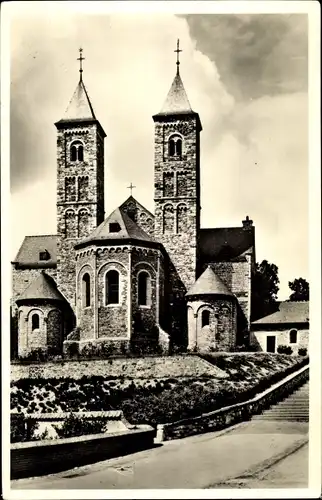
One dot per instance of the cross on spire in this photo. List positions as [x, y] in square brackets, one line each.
[131, 187]
[81, 59]
[178, 51]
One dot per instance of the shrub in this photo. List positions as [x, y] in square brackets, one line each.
[302, 351]
[71, 349]
[74, 426]
[38, 355]
[284, 349]
[21, 428]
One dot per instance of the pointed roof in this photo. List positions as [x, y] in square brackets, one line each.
[130, 200]
[117, 226]
[209, 284]
[28, 255]
[80, 107]
[177, 101]
[42, 288]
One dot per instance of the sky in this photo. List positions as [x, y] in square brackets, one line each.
[246, 76]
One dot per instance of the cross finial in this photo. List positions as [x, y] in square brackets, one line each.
[178, 51]
[81, 59]
[131, 187]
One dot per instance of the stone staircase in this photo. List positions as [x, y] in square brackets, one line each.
[294, 408]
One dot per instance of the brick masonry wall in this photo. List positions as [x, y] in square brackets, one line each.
[259, 339]
[92, 203]
[220, 334]
[147, 368]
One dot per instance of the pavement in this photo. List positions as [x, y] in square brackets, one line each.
[254, 454]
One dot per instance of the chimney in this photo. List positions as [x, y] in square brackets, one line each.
[247, 223]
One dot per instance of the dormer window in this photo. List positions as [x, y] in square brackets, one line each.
[175, 146]
[44, 255]
[114, 227]
[77, 151]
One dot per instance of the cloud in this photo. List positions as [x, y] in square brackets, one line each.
[250, 149]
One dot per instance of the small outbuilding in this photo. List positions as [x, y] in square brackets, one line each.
[212, 314]
[288, 326]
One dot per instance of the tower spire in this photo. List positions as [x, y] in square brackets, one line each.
[81, 59]
[178, 51]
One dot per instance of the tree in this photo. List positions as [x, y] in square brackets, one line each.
[264, 290]
[301, 289]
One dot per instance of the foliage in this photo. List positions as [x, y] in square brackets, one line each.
[301, 289]
[158, 400]
[265, 289]
[74, 426]
[284, 349]
[21, 429]
[302, 351]
[38, 355]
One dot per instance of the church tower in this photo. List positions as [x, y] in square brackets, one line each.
[177, 180]
[177, 192]
[80, 182]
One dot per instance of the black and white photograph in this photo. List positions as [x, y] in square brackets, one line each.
[161, 298]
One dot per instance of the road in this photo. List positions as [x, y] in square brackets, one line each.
[255, 454]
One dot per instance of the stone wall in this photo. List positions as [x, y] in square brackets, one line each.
[78, 212]
[220, 334]
[258, 339]
[176, 202]
[48, 336]
[225, 417]
[46, 457]
[148, 367]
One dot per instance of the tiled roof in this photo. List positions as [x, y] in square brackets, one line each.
[42, 288]
[209, 283]
[117, 226]
[28, 254]
[177, 100]
[288, 312]
[225, 244]
[80, 107]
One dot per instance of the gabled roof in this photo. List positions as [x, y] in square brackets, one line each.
[209, 284]
[42, 288]
[28, 254]
[127, 230]
[226, 244]
[137, 204]
[288, 312]
[80, 107]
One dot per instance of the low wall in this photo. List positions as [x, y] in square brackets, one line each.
[45, 457]
[147, 367]
[230, 415]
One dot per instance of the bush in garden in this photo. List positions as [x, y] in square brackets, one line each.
[284, 349]
[302, 351]
[21, 429]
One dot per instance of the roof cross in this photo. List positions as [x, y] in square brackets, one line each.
[178, 51]
[81, 59]
[131, 187]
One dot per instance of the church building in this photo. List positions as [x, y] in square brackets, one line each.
[135, 280]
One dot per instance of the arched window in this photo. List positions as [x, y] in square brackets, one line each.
[86, 290]
[35, 322]
[205, 318]
[77, 151]
[112, 287]
[168, 219]
[293, 336]
[144, 288]
[83, 223]
[181, 218]
[70, 224]
[175, 146]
